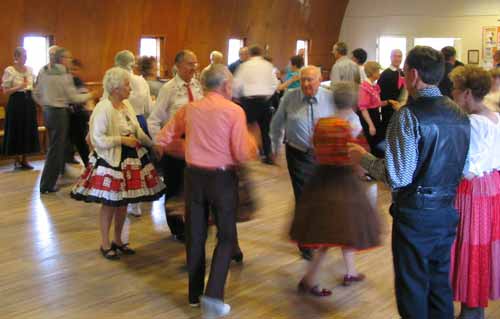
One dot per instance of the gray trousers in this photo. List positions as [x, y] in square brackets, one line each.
[57, 123]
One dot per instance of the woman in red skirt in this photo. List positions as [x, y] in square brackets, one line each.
[120, 171]
[334, 210]
[475, 266]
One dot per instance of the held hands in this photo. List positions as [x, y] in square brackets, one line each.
[395, 104]
[356, 152]
[131, 142]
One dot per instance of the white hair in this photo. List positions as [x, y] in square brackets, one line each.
[114, 79]
[213, 76]
[216, 54]
[125, 59]
[315, 69]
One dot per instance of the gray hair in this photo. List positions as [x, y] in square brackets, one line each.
[114, 78]
[214, 76]
[59, 54]
[216, 54]
[125, 59]
[314, 68]
[345, 94]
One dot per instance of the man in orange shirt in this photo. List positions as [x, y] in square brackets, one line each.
[216, 141]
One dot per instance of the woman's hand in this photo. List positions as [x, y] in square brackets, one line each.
[130, 141]
[372, 130]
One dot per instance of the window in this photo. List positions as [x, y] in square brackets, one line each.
[233, 50]
[385, 45]
[37, 51]
[303, 45]
[151, 46]
[439, 43]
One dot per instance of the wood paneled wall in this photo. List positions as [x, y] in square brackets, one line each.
[94, 30]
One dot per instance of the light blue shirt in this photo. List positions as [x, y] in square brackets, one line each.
[296, 118]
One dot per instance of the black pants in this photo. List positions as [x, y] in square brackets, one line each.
[258, 109]
[219, 190]
[173, 170]
[421, 244]
[78, 129]
[301, 167]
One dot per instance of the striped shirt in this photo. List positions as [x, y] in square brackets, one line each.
[401, 154]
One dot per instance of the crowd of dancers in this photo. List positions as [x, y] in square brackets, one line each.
[428, 131]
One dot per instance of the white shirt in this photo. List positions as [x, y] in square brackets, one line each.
[140, 96]
[255, 77]
[484, 153]
[12, 78]
[172, 96]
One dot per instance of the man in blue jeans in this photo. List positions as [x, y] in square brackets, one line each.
[427, 145]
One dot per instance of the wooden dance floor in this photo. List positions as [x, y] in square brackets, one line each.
[50, 266]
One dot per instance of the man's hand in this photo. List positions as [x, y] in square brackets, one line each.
[356, 152]
[131, 142]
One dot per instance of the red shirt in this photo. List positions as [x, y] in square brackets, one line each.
[216, 133]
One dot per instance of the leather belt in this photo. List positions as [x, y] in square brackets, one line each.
[213, 169]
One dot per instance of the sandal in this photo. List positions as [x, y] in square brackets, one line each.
[315, 290]
[123, 249]
[109, 253]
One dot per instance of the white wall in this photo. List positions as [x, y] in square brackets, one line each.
[366, 20]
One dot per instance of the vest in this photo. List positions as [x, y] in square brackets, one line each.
[442, 150]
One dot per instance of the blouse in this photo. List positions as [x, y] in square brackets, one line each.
[12, 78]
[484, 154]
[369, 96]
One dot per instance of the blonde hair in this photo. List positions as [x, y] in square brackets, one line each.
[474, 78]
[371, 67]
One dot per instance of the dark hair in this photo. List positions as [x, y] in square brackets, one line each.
[255, 50]
[448, 52]
[360, 55]
[428, 62]
[474, 78]
[77, 63]
[297, 61]
[179, 57]
[145, 64]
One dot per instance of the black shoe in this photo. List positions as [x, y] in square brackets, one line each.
[49, 190]
[268, 161]
[238, 257]
[180, 238]
[123, 249]
[306, 253]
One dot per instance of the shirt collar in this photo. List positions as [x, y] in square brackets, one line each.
[431, 91]
[181, 82]
[309, 99]
[393, 68]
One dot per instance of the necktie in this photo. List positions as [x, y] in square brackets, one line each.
[190, 93]
[312, 115]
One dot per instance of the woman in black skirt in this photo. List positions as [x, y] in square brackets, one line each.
[21, 129]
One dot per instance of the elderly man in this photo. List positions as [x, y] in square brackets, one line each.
[344, 68]
[392, 88]
[244, 56]
[255, 84]
[297, 115]
[427, 145]
[216, 57]
[216, 141]
[54, 90]
[180, 90]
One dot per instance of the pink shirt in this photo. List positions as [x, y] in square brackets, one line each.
[369, 96]
[216, 133]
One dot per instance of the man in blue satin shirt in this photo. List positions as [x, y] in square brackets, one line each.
[296, 118]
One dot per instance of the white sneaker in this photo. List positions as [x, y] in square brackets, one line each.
[134, 210]
[212, 308]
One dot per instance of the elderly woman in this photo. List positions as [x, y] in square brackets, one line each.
[21, 133]
[475, 270]
[55, 90]
[120, 171]
[147, 67]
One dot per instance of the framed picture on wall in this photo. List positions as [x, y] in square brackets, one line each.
[473, 57]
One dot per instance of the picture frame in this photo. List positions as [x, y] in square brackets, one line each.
[473, 57]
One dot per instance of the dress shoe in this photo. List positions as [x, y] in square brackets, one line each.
[316, 291]
[238, 257]
[212, 308]
[348, 280]
[49, 190]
